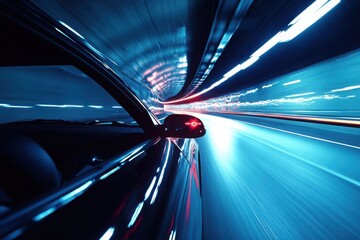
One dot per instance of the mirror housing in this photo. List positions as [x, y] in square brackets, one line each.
[183, 126]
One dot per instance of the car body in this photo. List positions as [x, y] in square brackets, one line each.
[81, 156]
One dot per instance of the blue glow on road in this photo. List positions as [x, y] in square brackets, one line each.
[292, 180]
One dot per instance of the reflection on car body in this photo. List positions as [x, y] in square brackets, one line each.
[81, 157]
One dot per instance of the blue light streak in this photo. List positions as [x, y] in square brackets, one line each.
[148, 192]
[136, 214]
[74, 194]
[153, 198]
[44, 214]
[109, 173]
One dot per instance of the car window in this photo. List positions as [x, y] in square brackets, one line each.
[60, 92]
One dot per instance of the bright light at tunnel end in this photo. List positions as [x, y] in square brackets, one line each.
[300, 23]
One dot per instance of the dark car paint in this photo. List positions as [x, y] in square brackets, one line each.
[122, 200]
[112, 197]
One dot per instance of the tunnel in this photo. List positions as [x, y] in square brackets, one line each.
[276, 84]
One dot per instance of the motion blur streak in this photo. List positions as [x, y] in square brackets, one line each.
[262, 183]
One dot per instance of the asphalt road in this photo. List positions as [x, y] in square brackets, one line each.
[277, 179]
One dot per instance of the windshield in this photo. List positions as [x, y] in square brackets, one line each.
[59, 92]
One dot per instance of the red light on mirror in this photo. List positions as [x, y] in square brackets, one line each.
[193, 123]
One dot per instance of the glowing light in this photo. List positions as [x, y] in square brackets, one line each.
[109, 173]
[108, 234]
[71, 29]
[61, 32]
[240, 67]
[301, 94]
[94, 49]
[346, 88]
[308, 17]
[95, 106]
[268, 45]
[60, 106]
[147, 194]
[308, 11]
[153, 198]
[183, 59]
[13, 106]
[172, 235]
[304, 20]
[44, 214]
[292, 82]
[72, 195]
[193, 123]
[268, 86]
[136, 214]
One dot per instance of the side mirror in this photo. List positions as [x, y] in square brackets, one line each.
[183, 126]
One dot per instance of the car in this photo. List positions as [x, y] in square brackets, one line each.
[81, 157]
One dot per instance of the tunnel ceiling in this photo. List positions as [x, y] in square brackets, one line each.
[179, 47]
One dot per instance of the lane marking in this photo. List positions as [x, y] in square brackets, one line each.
[350, 180]
[306, 136]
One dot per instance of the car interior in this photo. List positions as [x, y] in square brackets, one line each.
[38, 157]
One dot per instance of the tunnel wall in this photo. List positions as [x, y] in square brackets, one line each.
[327, 89]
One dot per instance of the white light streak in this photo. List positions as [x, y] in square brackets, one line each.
[108, 234]
[268, 86]
[71, 29]
[95, 106]
[308, 17]
[346, 88]
[268, 45]
[13, 106]
[292, 82]
[60, 106]
[301, 94]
